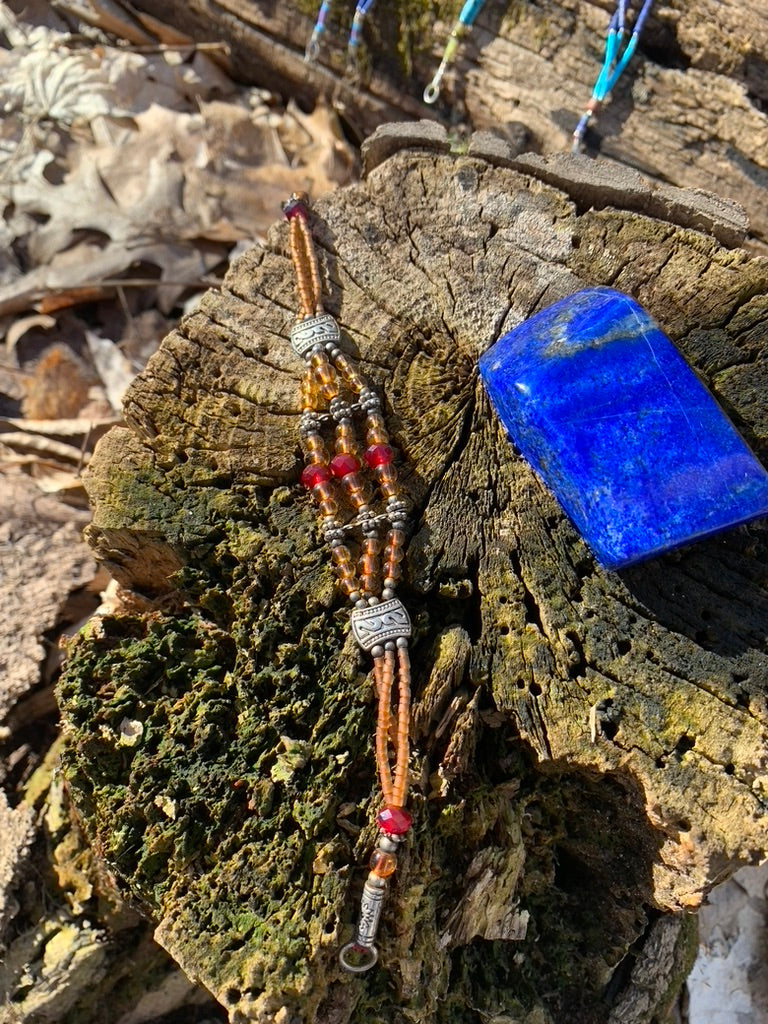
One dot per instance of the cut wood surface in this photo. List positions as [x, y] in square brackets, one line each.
[589, 747]
[690, 111]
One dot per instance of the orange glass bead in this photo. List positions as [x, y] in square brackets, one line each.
[329, 506]
[355, 488]
[392, 570]
[386, 473]
[373, 545]
[396, 538]
[368, 564]
[345, 571]
[349, 373]
[323, 490]
[383, 864]
[314, 442]
[348, 585]
[376, 432]
[329, 391]
[394, 555]
[345, 439]
[324, 375]
[341, 555]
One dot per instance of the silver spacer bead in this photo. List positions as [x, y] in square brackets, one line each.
[387, 594]
[375, 882]
[387, 845]
[390, 645]
[389, 583]
[377, 651]
[402, 642]
[309, 423]
[373, 601]
[354, 597]
[368, 400]
[340, 409]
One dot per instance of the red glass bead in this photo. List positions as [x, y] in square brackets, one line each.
[295, 208]
[393, 821]
[378, 455]
[343, 465]
[314, 474]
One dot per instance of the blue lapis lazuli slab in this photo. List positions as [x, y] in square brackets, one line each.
[636, 450]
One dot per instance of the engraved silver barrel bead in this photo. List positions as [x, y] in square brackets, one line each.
[313, 332]
[379, 623]
[370, 911]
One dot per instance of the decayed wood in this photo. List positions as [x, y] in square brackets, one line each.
[691, 112]
[589, 746]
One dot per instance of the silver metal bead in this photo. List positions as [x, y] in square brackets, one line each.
[389, 645]
[368, 400]
[389, 583]
[340, 409]
[387, 594]
[376, 882]
[313, 333]
[387, 845]
[377, 651]
[372, 627]
[402, 642]
[373, 601]
[309, 423]
[354, 597]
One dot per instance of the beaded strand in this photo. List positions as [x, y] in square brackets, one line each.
[333, 391]
[461, 27]
[615, 61]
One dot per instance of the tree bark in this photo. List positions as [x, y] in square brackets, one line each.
[589, 747]
[690, 111]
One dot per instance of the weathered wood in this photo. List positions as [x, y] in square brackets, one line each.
[691, 111]
[590, 747]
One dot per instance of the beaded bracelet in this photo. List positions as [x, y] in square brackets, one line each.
[333, 395]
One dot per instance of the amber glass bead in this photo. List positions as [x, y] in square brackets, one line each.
[394, 554]
[323, 489]
[376, 432]
[355, 489]
[386, 473]
[345, 439]
[349, 373]
[396, 538]
[383, 864]
[392, 570]
[324, 373]
[348, 585]
[341, 554]
[329, 506]
[369, 564]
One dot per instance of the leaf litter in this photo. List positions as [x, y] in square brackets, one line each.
[131, 167]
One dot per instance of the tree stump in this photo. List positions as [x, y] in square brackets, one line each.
[590, 747]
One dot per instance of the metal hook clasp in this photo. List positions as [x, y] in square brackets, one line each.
[432, 91]
[350, 957]
[312, 51]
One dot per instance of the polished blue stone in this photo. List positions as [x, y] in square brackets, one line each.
[618, 426]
